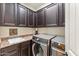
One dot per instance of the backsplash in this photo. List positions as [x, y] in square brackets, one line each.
[4, 31]
[52, 30]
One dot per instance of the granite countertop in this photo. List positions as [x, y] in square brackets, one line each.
[5, 42]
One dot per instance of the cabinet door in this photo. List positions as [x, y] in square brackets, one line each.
[61, 14]
[0, 52]
[10, 51]
[52, 15]
[25, 48]
[13, 53]
[30, 18]
[24, 52]
[41, 18]
[22, 15]
[35, 19]
[8, 14]
[0, 13]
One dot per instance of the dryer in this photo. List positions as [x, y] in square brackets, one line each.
[58, 46]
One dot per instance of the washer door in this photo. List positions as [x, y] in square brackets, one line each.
[37, 50]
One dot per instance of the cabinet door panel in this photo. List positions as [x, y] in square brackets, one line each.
[0, 52]
[10, 51]
[35, 19]
[9, 14]
[41, 18]
[10, 48]
[24, 52]
[22, 15]
[0, 13]
[52, 15]
[61, 8]
[14, 53]
[30, 18]
[25, 48]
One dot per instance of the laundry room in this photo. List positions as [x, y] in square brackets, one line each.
[22, 23]
[32, 29]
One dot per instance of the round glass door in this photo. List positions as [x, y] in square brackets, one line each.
[37, 49]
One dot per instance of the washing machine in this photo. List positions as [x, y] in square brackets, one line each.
[40, 46]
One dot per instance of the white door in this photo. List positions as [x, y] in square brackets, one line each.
[72, 29]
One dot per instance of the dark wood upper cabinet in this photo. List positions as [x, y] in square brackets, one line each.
[13, 14]
[30, 18]
[0, 13]
[41, 18]
[22, 13]
[8, 14]
[51, 15]
[61, 16]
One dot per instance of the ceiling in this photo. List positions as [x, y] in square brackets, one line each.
[35, 6]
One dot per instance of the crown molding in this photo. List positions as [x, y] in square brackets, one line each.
[43, 6]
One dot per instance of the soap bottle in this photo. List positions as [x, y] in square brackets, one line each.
[36, 31]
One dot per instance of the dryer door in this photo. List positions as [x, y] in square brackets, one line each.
[37, 50]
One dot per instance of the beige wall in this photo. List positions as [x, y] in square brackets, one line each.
[4, 31]
[53, 30]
